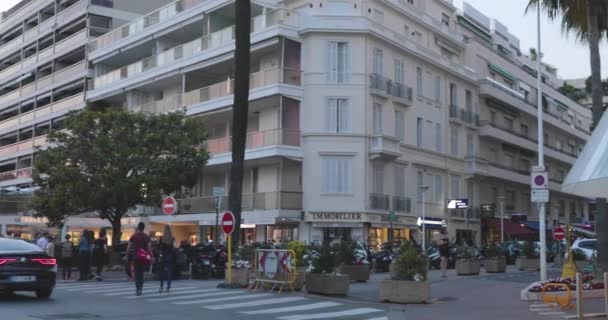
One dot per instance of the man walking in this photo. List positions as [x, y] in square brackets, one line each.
[444, 254]
[43, 241]
[141, 250]
[67, 255]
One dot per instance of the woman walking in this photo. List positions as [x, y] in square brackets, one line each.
[100, 252]
[167, 258]
[84, 251]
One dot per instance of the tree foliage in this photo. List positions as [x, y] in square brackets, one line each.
[572, 92]
[112, 161]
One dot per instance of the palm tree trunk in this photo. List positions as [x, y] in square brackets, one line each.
[240, 110]
[601, 221]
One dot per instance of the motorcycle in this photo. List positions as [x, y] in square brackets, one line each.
[209, 261]
[383, 260]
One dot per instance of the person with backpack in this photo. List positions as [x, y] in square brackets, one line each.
[141, 249]
[167, 258]
[100, 250]
[67, 257]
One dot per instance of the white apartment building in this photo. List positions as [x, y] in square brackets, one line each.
[357, 109]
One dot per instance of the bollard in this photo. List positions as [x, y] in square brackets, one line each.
[579, 296]
[606, 292]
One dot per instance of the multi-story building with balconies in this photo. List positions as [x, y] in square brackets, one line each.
[364, 115]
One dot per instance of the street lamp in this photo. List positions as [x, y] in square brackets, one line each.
[423, 190]
[501, 201]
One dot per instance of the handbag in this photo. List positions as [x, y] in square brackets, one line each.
[143, 256]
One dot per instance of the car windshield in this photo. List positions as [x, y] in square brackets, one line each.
[15, 245]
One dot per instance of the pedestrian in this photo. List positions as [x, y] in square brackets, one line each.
[84, 252]
[100, 251]
[67, 255]
[141, 249]
[167, 258]
[43, 241]
[444, 254]
[50, 247]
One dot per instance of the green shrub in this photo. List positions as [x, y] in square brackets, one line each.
[464, 252]
[494, 251]
[410, 265]
[345, 251]
[299, 248]
[326, 262]
[245, 253]
[578, 255]
[528, 250]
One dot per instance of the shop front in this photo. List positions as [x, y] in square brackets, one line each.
[25, 227]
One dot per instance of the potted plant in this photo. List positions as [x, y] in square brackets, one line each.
[496, 261]
[466, 261]
[409, 282]
[241, 265]
[298, 247]
[354, 262]
[580, 259]
[528, 260]
[323, 279]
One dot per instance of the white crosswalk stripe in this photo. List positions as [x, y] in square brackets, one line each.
[209, 293]
[150, 290]
[254, 303]
[330, 315]
[380, 318]
[165, 294]
[312, 306]
[241, 297]
[92, 286]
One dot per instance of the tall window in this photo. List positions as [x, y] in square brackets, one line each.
[377, 118]
[438, 89]
[509, 124]
[399, 71]
[454, 141]
[438, 188]
[338, 116]
[455, 186]
[469, 100]
[338, 62]
[378, 178]
[419, 88]
[378, 61]
[524, 129]
[419, 124]
[399, 181]
[453, 94]
[470, 145]
[419, 183]
[337, 174]
[438, 137]
[399, 125]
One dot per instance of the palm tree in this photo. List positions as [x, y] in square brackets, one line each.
[240, 109]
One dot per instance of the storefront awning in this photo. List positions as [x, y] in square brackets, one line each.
[502, 72]
[510, 227]
[534, 225]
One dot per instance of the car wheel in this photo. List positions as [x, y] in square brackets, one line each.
[44, 293]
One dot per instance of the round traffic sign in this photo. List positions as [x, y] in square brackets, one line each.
[539, 180]
[228, 222]
[559, 233]
[169, 206]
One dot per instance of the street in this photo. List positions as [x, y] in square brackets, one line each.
[486, 296]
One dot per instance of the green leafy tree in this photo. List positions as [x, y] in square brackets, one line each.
[572, 92]
[112, 161]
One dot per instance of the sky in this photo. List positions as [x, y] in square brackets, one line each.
[561, 51]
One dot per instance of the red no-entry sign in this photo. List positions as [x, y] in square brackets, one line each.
[228, 222]
[559, 233]
[169, 206]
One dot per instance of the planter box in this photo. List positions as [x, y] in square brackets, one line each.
[331, 285]
[300, 278]
[358, 273]
[467, 267]
[496, 265]
[528, 263]
[398, 291]
[239, 276]
[526, 295]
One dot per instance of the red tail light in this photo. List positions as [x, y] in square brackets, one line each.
[46, 262]
[6, 260]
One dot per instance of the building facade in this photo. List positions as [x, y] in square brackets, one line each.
[365, 116]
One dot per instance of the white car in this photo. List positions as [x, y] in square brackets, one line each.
[588, 246]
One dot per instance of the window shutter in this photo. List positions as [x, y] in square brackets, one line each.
[331, 114]
[332, 61]
[345, 115]
[347, 64]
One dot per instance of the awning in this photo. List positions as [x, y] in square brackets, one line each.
[534, 225]
[502, 72]
[583, 231]
[510, 227]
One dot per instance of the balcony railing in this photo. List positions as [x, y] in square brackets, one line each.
[23, 145]
[379, 201]
[24, 173]
[464, 116]
[187, 50]
[256, 139]
[251, 201]
[385, 86]
[401, 204]
[402, 91]
[40, 112]
[222, 89]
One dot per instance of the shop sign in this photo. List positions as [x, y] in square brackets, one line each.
[33, 220]
[336, 216]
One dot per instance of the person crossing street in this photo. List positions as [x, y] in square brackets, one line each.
[141, 249]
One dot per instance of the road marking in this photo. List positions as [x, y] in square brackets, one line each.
[121, 293]
[552, 313]
[165, 294]
[329, 315]
[542, 305]
[312, 306]
[241, 297]
[91, 286]
[254, 303]
[210, 293]
[121, 289]
[381, 318]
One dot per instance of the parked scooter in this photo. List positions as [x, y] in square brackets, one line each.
[209, 261]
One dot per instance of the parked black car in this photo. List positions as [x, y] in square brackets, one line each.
[26, 267]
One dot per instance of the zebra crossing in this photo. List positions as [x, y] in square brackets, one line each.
[244, 302]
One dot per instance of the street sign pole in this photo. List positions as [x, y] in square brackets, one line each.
[228, 225]
[229, 240]
[217, 217]
[541, 155]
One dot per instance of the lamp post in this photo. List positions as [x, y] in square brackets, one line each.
[423, 190]
[501, 201]
[541, 155]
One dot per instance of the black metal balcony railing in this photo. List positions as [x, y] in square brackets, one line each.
[380, 83]
[402, 91]
[379, 201]
[384, 85]
[386, 202]
[251, 201]
[402, 204]
[465, 116]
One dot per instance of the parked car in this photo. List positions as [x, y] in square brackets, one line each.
[26, 267]
[588, 246]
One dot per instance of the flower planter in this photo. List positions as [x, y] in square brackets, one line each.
[358, 273]
[398, 291]
[528, 263]
[239, 276]
[327, 284]
[465, 267]
[300, 278]
[496, 265]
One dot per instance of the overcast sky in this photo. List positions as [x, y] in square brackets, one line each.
[565, 53]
